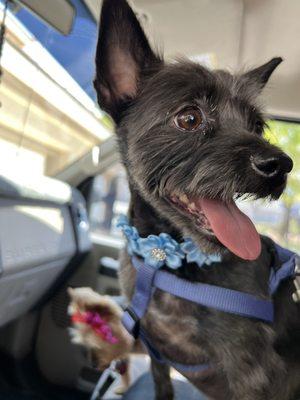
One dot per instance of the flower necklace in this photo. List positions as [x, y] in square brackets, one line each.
[163, 249]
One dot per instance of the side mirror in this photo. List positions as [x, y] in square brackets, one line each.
[59, 14]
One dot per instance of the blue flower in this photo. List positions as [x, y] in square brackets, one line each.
[122, 221]
[194, 254]
[160, 250]
[213, 258]
[131, 234]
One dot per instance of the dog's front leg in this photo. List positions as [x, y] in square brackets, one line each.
[162, 381]
[254, 370]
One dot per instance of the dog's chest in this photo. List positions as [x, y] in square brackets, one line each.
[172, 323]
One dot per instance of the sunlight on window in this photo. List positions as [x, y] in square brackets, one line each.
[15, 158]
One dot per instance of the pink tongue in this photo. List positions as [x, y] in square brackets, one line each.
[232, 228]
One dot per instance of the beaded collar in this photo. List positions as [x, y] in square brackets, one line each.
[163, 249]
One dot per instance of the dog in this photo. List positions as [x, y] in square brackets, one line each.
[191, 140]
[114, 344]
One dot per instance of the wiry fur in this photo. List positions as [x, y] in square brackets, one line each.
[249, 359]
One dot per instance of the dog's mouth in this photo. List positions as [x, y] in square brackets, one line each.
[189, 207]
[224, 220]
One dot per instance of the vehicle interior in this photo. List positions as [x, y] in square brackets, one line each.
[62, 186]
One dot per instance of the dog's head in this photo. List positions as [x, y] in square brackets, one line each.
[191, 138]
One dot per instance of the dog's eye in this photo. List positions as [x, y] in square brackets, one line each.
[189, 119]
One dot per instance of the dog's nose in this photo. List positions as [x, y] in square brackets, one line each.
[271, 166]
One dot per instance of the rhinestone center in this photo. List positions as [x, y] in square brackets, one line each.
[158, 254]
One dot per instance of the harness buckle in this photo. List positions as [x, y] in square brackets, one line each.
[131, 322]
[296, 294]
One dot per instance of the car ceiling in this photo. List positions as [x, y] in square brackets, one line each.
[235, 33]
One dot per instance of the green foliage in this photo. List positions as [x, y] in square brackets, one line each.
[108, 122]
[287, 136]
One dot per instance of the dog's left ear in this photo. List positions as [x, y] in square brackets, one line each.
[123, 55]
[260, 76]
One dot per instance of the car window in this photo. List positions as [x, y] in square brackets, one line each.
[277, 219]
[49, 116]
[281, 219]
[109, 199]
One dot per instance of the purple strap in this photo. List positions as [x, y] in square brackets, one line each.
[140, 300]
[222, 299]
[286, 270]
[217, 297]
[137, 309]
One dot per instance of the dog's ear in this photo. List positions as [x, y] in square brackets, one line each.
[123, 55]
[260, 76]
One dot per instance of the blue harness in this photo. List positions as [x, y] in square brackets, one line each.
[149, 277]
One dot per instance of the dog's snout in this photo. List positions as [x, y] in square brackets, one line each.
[286, 164]
[267, 167]
[270, 167]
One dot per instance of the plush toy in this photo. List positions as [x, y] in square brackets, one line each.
[96, 324]
[99, 325]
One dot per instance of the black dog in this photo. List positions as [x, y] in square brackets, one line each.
[191, 141]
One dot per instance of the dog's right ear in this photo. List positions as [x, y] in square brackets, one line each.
[123, 56]
[260, 75]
